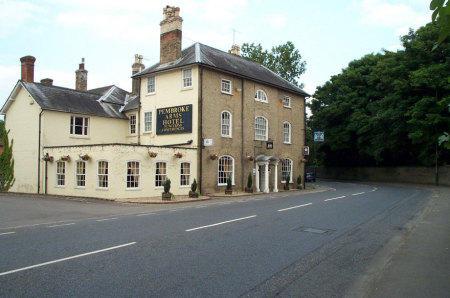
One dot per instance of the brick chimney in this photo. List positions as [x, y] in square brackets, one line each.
[170, 38]
[47, 82]
[136, 67]
[81, 77]
[235, 50]
[28, 68]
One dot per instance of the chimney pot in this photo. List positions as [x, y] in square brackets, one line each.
[47, 82]
[135, 68]
[27, 65]
[235, 50]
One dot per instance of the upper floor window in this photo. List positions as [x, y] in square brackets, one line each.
[286, 170]
[185, 174]
[261, 128]
[286, 102]
[261, 96]
[81, 174]
[187, 78]
[226, 170]
[287, 132]
[79, 126]
[161, 174]
[226, 86]
[151, 84]
[102, 174]
[148, 121]
[60, 173]
[133, 124]
[226, 124]
[133, 174]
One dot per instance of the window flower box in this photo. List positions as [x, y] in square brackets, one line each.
[178, 155]
[84, 156]
[213, 156]
[64, 158]
[152, 154]
[47, 157]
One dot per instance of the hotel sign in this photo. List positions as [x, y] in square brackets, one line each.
[174, 120]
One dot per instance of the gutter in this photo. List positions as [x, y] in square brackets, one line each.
[200, 136]
[242, 135]
[39, 154]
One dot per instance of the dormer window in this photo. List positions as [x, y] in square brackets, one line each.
[261, 96]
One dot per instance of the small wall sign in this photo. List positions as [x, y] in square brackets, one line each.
[269, 145]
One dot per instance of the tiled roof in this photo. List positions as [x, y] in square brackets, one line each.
[204, 55]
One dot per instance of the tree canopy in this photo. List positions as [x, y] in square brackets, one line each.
[388, 108]
[285, 60]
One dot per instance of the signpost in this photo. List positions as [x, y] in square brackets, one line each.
[319, 136]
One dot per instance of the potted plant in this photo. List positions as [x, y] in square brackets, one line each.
[249, 188]
[152, 154]
[166, 195]
[192, 192]
[213, 156]
[229, 190]
[64, 158]
[47, 157]
[84, 156]
[286, 185]
[178, 154]
[299, 182]
[250, 157]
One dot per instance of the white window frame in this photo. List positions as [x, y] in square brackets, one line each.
[105, 175]
[258, 136]
[286, 132]
[148, 122]
[132, 125]
[157, 175]
[287, 102]
[80, 177]
[185, 175]
[135, 186]
[220, 177]
[222, 124]
[186, 80]
[286, 167]
[223, 87]
[261, 96]
[84, 126]
[151, 83]
[60, 176]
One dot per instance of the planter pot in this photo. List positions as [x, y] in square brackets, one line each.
[193, 194]
[299, 187]
[249, 190]
[228, 191]
[166, 196]
[286, 187]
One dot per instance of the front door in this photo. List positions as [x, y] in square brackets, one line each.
[262, 179]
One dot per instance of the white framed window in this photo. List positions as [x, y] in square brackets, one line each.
[286, 132]
[187, 78]
[286, 169]
[226, 170]
[79, 126]
[226, 86]
[148, 121]
[160, 174]
[261, 128]
[151, 86]
[133, 174]
[286, 102]
[80, 175]
[60, 173]
[261, 96]
[133, 124]
[226, 124]
[102, 174]
[185, 174]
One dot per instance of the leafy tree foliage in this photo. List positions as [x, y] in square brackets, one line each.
[441, 15]
[6, 162]
[389, 108]
[285, 60]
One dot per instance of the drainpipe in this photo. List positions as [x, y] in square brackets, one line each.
[139, 112]
[200, 136]
[39, 154]
[46, 178]
[242, 135]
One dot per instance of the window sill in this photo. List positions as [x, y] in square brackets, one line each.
[227, 93]
[187, 88]
[134, 188]
[151, 93]
[185, 186]
[287, 143]
[102, 188]
[287, 107]
[60, 186]
[148, 132]
[79, 137]
[80, 187]
[227, 137]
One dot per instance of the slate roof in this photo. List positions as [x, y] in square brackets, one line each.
[99, 102]
[205, 55]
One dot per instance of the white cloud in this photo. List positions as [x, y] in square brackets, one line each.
[277, 21]
[13, 14]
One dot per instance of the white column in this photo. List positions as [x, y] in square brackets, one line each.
[275, 178]
[266, 177]
[257, 177]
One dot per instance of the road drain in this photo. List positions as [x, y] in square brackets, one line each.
[314, 230]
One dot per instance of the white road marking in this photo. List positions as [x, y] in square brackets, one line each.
[374, 189]
[7, 233]
[144, 214]
[62, 225]
[201, 206]
[220, 223]
[337, 198]
[66, 259]
[105, 219]
[359, 193]
[299, 206]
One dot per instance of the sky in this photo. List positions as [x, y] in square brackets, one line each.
[108, 33]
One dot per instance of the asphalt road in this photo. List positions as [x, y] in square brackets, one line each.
[286, 244]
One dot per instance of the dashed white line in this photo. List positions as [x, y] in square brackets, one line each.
[62, 225]
[145, 214]
[299, 206]
[106, 219]
[7, 233]
[359, 193]
[201, 206]
[65, 259]
[337, 198]
[374, 189]
[220, 223]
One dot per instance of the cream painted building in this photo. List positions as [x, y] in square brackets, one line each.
[199, 113]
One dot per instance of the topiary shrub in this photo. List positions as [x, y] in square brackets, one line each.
[167, 186]
[194, 186]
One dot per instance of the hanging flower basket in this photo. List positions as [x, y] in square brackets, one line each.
[84, 156]
[152, 154]
[64, 158]
[250, 157]
[47, 157]
[213, 156]
[178, 155]
[303, 160]
[282, 160]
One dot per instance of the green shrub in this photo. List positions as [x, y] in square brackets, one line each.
[299, 179]
[167, 185]
[229, 183]
[194, 186]
[249, 180]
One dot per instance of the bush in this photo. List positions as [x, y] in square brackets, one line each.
[194, 186]
[249, 180]
[229, 183]
[167, 186]
[299, 179]
[288, 179]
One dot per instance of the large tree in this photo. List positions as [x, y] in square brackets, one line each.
[285, 60]
[388, 108]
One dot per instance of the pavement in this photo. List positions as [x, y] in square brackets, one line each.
[417, 263]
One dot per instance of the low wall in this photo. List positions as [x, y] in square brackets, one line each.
[420, 175]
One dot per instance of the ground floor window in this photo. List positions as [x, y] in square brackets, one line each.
[286, 170]
[133, 174]
[185, 174]
[226, 169]
[60, 173]
[102, 173]
[161, 174]
[81, 174]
